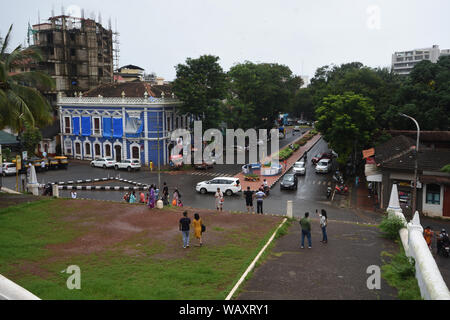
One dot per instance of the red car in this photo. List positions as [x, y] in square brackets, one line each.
[320, 156]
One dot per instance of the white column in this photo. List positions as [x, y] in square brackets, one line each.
[124, 140]
[146, 142]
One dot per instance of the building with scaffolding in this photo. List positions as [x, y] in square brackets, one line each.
[78, 53]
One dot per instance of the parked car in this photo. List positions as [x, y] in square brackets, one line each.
[203, 166]
[103, 163]
[227, 185]
[323, 166]
[289, 181]
[129, 165]
[320, 156]
[8, 168]
[299, 168]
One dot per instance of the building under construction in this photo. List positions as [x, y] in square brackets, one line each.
[77, 53]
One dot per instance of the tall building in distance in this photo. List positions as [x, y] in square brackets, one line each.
[77, 53]
[403, 62]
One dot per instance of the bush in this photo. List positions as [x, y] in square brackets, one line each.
[400, 273]
[391, 226]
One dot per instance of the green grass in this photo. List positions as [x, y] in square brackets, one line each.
[121, 271]
[399, 272]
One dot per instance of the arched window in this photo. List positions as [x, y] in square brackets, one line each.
[108, 150]
[97, 150]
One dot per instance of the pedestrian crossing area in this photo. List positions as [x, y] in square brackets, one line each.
[211, 174]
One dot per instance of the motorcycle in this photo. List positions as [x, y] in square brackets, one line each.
[341, 189]
[338, 177]
[328, 192]
[266, 190]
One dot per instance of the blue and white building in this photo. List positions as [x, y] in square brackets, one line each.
[120, 127]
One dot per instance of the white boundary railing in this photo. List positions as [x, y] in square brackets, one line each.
[11, 291]
[431, 284]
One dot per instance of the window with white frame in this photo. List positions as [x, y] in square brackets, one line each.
[67, 125]
[87, 149]
[97, 129]
[68, 147]
[78, 148]
[433, 194]
[97, 150]
[108, 150]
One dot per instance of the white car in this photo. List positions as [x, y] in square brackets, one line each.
[227, 185]
[103, 163]
[8, 168]
[299, 168]
[323, 166]
[296, 128]
[133, 164]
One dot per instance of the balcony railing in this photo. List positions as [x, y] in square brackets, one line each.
[117, 101]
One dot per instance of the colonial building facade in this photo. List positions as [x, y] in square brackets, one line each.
[119, 128]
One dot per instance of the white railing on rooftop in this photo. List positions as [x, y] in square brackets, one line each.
[118, 101]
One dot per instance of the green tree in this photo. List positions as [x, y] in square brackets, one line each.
[262, 91]
[425, 95]
[31, 138]
[20, 102]
[302, 104]
[347, 123]
[201, 84]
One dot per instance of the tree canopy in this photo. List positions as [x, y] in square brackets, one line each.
[201, 84]
[20, 102]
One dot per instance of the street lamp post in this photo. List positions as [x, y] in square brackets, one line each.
[415, 163]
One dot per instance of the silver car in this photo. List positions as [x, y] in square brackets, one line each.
[323, 166]
[299, 168]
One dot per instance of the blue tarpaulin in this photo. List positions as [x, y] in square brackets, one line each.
[117, 128]
[107, 126]
[76, 125]
[85, 126]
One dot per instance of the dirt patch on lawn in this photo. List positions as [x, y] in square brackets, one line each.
[8, 199]
[108, 226]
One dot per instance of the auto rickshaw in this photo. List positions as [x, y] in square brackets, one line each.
[63, 162]
[53, 163]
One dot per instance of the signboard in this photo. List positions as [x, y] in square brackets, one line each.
[24, 155]
[18, 163]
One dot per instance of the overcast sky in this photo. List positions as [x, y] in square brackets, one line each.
[302, 34]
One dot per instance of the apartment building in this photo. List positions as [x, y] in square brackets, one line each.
[403, 62]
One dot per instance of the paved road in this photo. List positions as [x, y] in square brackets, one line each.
[336, 270]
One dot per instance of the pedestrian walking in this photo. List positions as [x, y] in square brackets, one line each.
[151, 197]
[198, 229]
[126, 197]
[165, 194]
[357, 181]
[176, 198]
[260, 195]
[73, 194]
[323, 224]
[305, 223]
[248, 194]
[132, 198]
[428, 235]
[219, 200]
[142, 197]
[185, 223]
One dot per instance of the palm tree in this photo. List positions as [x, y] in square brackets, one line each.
[21, 104]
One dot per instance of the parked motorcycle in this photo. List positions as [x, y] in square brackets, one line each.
[266, 190]
[341, 189]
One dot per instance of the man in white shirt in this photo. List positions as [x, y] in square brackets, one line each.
[74, 194]
[260, 195]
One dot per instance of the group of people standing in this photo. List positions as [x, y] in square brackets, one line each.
[250, 195]
[185, 226]
[153, 195]
[305, 224]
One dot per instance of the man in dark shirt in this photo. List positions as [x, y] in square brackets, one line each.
[184, 228]
[249, 200]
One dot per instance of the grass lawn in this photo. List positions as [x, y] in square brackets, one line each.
[125, 251]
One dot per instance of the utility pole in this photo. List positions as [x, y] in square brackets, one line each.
[415, 163]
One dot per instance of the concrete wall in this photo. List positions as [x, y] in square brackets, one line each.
[432, 210]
